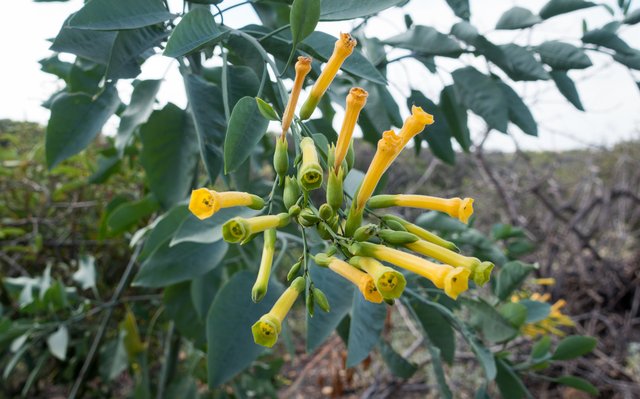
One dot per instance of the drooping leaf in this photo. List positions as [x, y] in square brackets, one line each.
[163, 230]
[207, 110]
[427, 41]
[137, 113]
[514, 312]
[367, 320]
[633, 17]
[340, 293]
[557, 7]
[230, 342]
[437, 328]
[574, 346]
[567, 88]
[179, 308]
[76, 119]
[90, 44]
[541, 348]
[58, 342]
[399, 366]
[608, 39]
[303, 19]
[169, 153]
[438, 370]
[246, 128]
[482, 95]
[203, 291]
[119, 14]
[130, 48]
[320, 46]
[518, 111]
[509, 383]
[510, 277]
[630, 60]
[338, 10]
[521, 64]
[578, 383]
[438, 135]
[466, 32]
[182, 262]
[536, 310]
[456, 116]
[517, 18]
[196, 29]
[460, 8]
[55, 66]
[563, 56]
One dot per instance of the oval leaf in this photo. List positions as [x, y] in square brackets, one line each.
[482, 95]
[246, 128]
[303, 19]
[338, 10]
[119, 14]
[574, 346]
[557, 7]
[578, 383]
[567, 88]
[196, 29]
[517, 18]
[427, 41]
[563, 56]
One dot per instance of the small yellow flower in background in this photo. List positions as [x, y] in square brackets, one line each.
[204, 202]
[343, 48]
[390, 283]
[356, 100]
[303, 66]
[550, 324]
[267, 328]
[452, 280]
[458, 208]
[262, 281]
[309, 171]
[545, 281]
[480, 271]
[240, 230]
[360, 279]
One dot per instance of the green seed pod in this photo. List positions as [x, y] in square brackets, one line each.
[363, 233]
[335, 190]
[397, 237]
[322, 259]
[310, 302]
[281, 158]
[291, 192]
[293, 272]
[393, 224]
[321, 299]
[307, 218]
[325, 212]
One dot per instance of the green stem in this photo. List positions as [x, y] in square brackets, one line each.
[225, 87]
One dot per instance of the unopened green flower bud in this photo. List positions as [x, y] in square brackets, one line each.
[262, 281]
[291, 192]
[335, 191]
[293, 272]
[351, 157]
[397, 237]
[310, 303]
[281, 158]
[363, 233]
[322, 259]
[420, 232]
[323, 231]
[295, 210]
[394, 225]
[321, 299]
[307, 218]
[325, 212]
[309, 171]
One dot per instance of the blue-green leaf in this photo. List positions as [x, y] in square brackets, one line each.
[119, 14]
[578, 383]
[517, 18]
[510, 277]
[574, 346]
[427, 41]
[509, 383]
[129, 50]
[367, 320]
[482, 95]
[567, 88]
[456, 116]
[196, 29]
[518, 111]
[338, 10]
[303, 19]
[557, 7]
[399, 366]
[460, 8]
[192, 229]
[246, 128]
[563, 56]
[137, 113]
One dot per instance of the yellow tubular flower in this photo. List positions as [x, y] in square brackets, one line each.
[452, 280]
[240, 229]
[545, 281]
[266, 329]
[390, 283]
[262, 281]
[303, 66]
[356, 100]
[414, 124]
[362, 280]
[204, 202]
[480, 271]
[309, 171]
[462, 209]
[343, 48]
[551, 323]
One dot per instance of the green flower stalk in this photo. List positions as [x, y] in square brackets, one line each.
[309, 171]
[267, 328]
[480, 271]
[394, 221]
[262, 281]
[389, 282]
[240, 230]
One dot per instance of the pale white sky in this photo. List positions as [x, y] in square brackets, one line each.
[608, 92]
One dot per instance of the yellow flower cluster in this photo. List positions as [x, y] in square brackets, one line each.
[354, 251]
[551, 323]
